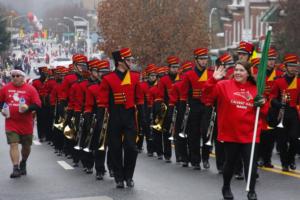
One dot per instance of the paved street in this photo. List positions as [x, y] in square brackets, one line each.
[155, 180]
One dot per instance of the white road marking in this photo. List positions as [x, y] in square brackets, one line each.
[64, 165]
[36, 142]
[90, 198]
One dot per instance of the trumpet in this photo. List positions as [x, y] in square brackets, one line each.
[285, 97]
[211, 126]
[103, 133]
[80, 133]
[159, 120]
[173, 123]
[184, 124]
[88, 140]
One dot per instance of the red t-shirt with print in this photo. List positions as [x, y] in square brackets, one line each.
[21, 123]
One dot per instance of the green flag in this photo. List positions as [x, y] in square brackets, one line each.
[261, 76]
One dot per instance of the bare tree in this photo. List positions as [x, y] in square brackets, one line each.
[287, 29]
[154, 29]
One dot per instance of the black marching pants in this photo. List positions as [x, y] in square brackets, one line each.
[122, 142]
[198, 123]
[266, 146]
[232, 152]
[287, 139]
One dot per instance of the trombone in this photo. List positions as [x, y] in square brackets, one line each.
[183, 134]
[211, 126]
[103, 133]
[173, 123]
[80, 133]
[88, 140]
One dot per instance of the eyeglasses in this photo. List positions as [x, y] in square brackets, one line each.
[15, 76]
[132, 60]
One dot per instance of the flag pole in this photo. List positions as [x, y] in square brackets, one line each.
[260, 89]
[252, 149]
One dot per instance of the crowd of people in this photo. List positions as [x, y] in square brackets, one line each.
[92, 114]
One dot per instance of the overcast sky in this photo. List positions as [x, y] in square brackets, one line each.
[36, 6]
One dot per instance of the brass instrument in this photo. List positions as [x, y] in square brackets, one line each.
[211, 126]
[184, 123]
[285, 97]
[69, 130]
[61, 120]
[151, 123]
[80, 133]
[88, 140]
[159, 120]
[173, 123]
[60, 124]
[103, 133]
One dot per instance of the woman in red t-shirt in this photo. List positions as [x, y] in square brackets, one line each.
[236, 108]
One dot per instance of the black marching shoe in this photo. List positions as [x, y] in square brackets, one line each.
[227, 194]
[111, 173]
[206, 164]
[252, 195]
[89, 170]
[260, 163]
[150, 154]
[130, 183]
[22, 169]
[285, 168]
[268, 165]
[120, 184]
[185, 164]
[76, 165]
[293, 166]
[15, 174]
[159, 157]
[99, 176]
[168, 160]
[197, 167]
[239, 176]
[60, 153]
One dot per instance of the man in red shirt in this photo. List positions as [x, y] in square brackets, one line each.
[18, 99]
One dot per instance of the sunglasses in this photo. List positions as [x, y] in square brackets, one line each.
[15, 76]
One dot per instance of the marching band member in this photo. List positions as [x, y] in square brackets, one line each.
[155, 109]
[235, 97]
[151, 73]
[56, 98]
[226, 61]
[75, 106]
[181, 147]
[42, 115]
[120, 94]
[98, 68]
[284, 96]
[192, 86]
[164, 87]
[268, 133]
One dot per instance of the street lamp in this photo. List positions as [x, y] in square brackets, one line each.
[210, 26]
[88, 33]
[66, 26]
[75, 30]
